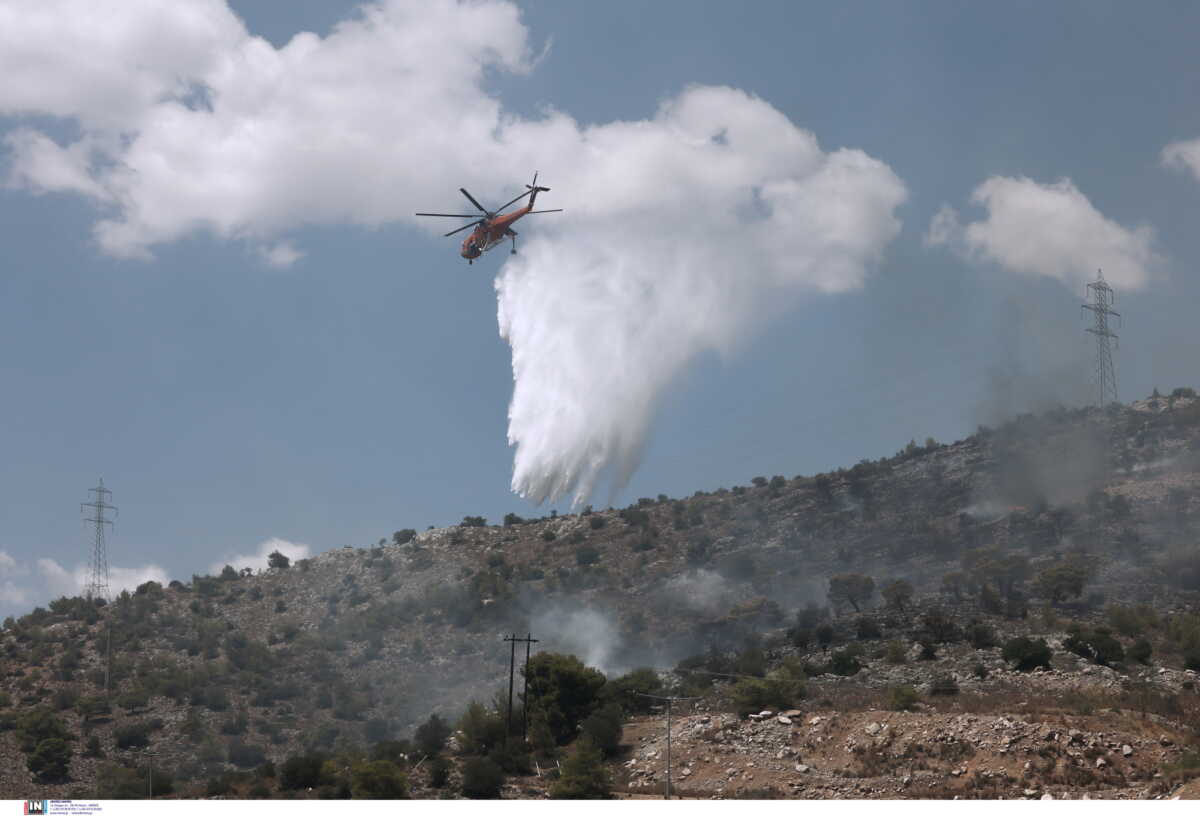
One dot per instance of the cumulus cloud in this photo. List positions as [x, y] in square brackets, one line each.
[14, 586]
[684, 230]
[24, 585]
[1049, 230]
[191, 123]
[1183, 156]
[59, 581]
[258, 559]
[45, 166]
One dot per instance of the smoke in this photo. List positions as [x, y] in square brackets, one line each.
[701, 591]
[584, 632]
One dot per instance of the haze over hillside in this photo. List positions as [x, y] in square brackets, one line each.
[1066, 514]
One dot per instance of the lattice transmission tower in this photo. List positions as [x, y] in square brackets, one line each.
[97, 585]
[1100, 295]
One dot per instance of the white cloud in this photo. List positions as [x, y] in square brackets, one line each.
[944, 228]
[684, 231]
[258, 559]
[59, 581]
[47, 167]
[193, 124]
[280, 255]
[22, 585]
[1049, 230]
[1183, 156]
[14, 585]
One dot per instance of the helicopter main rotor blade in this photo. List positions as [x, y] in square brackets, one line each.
[463, 190]
[450, 215]
[514, 201]
[535, 212]
[460, 229]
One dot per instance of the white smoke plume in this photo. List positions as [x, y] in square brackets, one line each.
[683, 231]
[579, 631]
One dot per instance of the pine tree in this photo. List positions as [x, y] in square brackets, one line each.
[583, 774]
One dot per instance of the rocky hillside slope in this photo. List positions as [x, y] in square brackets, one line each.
[1029, 528]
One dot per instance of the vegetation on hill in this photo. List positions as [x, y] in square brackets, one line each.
[359, 672]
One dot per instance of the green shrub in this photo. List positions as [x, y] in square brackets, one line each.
[628, 688]
[482, 729]
[1096, 645]
[431, 736]
[781, 689]
[565, 690]
[981, 636]
[244, 755]
[1027, 654]
[439, 772]
[481, 779]
[302, 771]
[897, 653]
[1141, 651]
[1132, 621]
[133, 735]
[943, 685]
[902, 698]
[378, 779]
[50, 760]
[844, 662]
[38, 725]
[583, 774]
[603, 727]
[867, 628]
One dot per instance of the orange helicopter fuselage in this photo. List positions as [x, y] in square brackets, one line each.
[490, 233]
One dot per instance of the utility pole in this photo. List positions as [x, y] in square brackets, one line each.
[1101, 296]
[512, 668]
[512, 662]
[97, 586]
[529, 641]
[668, 701]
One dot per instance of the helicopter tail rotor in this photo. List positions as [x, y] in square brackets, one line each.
[534, 189]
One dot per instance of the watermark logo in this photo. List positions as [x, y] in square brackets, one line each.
[36, 806]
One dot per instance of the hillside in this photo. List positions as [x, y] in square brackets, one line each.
[1076, 526]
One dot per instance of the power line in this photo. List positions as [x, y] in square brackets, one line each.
[97, 586]
[1101, 296]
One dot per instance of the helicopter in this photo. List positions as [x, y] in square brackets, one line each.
[493, 227]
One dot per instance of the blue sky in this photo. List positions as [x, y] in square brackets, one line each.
[365, 386]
